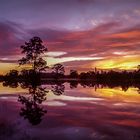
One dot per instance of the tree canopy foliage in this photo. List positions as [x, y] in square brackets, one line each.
[33, 50]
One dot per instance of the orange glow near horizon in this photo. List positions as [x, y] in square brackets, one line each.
[123, 63]
[5, 67]
[115, 94]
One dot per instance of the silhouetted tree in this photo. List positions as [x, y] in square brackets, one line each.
[138, 67]
[33, 51]
[12, 74]
[73, 74]
[11, 79]
[58, 69]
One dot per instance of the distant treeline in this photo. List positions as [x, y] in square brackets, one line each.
[58, 84]
[97, 79]
[73, 75]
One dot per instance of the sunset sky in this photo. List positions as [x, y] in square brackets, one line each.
[81, 34]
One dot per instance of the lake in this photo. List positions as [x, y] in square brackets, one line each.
[78, 113]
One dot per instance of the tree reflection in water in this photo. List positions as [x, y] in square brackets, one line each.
[32, 108]
[58, 89]
[32, 102]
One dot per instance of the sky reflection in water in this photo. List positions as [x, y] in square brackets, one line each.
[79, 113]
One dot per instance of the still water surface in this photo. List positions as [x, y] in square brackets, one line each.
[82, 113]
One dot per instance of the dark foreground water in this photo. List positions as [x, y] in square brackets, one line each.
[77, 114]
